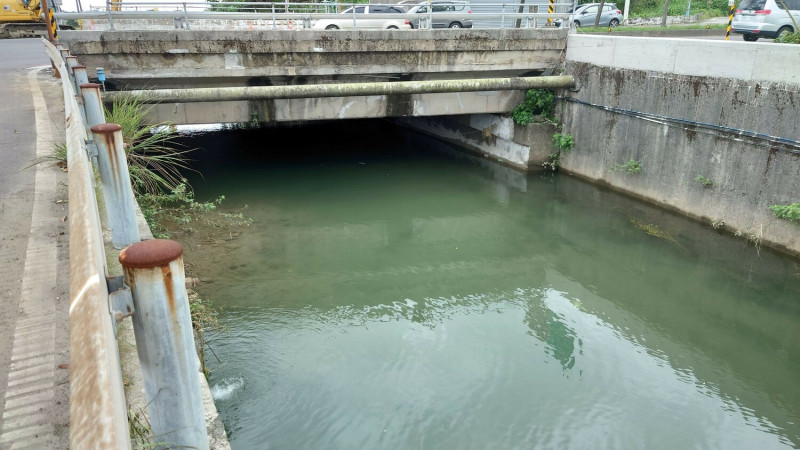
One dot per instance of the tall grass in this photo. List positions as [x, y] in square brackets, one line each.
[153, 161]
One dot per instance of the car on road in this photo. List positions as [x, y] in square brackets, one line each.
[365, 17]
[765, 19]
[443, 14]
[586, 14]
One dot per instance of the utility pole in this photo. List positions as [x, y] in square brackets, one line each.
[664, 16]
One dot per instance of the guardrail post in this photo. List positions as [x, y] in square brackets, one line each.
[81, 77]
[116, 181]
[165, 342]
[93, 104]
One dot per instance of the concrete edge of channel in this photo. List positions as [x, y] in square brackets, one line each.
[133, 382]
[720, 32]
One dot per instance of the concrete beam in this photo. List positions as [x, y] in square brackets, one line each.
[304, 109]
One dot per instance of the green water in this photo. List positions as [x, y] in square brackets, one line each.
[393, 294]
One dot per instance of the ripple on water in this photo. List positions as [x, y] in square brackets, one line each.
[226, 388]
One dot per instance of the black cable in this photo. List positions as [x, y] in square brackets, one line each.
[774, 140]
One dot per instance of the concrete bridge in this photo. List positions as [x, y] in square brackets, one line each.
[213, 59]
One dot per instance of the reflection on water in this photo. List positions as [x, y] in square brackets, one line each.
[394, 294]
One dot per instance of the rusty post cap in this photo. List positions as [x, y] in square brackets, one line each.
[79, 66]
[90, 85]
[150, 254]
[106, 128]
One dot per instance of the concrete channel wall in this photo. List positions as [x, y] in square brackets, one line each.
[666, 107]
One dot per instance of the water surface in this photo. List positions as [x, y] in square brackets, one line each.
[393, 293]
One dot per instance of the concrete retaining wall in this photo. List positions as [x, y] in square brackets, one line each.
[756, 61]
[747, 175]
[492, 136]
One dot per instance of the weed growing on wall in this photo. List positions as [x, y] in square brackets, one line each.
[704, 181]
[537, 102]
[563, 144]
[631, 167]
[787, 212]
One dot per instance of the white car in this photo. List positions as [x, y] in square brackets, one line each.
[365, 17]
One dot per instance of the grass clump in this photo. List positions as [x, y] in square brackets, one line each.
[631, 167]
[154, 164]
[57, 156]
[179, 210]
[706, 182]
[563, 144]
[653, 230]
[787, 212]
[790, 38]
[635, 28]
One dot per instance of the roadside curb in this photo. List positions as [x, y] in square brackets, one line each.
[665, 33]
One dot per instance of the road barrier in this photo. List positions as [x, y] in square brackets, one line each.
[98, 410]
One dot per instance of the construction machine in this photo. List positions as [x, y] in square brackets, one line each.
[22, 18]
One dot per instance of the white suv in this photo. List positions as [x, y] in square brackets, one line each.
[765, 18]
[366, 16]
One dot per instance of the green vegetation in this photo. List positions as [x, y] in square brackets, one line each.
[563, 144]
[704, 181]
[58, 156]
[537, 102]
[652, 28]
[653, 230]
[204, 317]
[655, 8]
[179, 210]
[632, 167]
[139, 429]
[790, 38]
[787, 212]
[153, 162]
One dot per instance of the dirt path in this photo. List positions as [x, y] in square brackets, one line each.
[34, 336]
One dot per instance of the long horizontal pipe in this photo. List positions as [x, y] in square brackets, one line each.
[222, 94]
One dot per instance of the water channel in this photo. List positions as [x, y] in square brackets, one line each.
[393, 293]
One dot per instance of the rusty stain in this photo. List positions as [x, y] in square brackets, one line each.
[170, 291]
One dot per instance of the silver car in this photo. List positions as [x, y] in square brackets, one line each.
[444, 14]
[585, 15]
[764, 19]
[365, 16]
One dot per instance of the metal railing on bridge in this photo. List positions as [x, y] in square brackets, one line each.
[152, 291]
[118, 15]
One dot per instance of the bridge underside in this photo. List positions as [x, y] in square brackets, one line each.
[306, 109]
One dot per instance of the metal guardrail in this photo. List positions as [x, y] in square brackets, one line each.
[98, 415]
[304, 15]
[153, 284]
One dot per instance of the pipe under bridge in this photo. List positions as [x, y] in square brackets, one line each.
[319, 75]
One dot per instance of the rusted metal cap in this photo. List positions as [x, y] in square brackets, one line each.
[89, 85]
[150, 254]
[79, 66]
[70, 56]
[106, 128]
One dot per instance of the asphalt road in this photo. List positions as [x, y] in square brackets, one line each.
[16, 111]
[34, 333]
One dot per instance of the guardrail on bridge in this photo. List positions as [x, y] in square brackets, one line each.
[154, 272]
